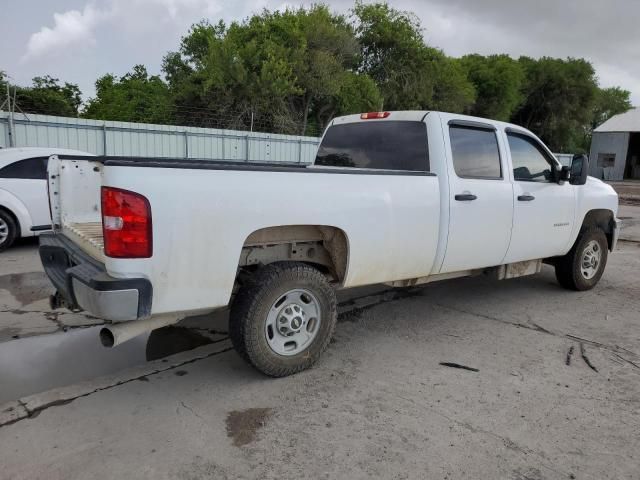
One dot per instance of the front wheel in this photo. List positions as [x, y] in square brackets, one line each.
[283, 318]
[582, 267]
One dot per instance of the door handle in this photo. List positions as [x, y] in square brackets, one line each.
[526, 198]
[465, 197]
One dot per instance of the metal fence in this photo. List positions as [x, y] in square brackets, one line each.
[150, 140]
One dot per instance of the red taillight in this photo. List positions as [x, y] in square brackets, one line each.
[371, 115]
[126, 224]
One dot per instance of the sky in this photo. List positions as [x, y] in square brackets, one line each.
[79, 40]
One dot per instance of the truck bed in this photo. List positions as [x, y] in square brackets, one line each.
[88, 236]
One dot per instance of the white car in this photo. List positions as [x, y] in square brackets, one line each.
[24, 208]
[401, 198]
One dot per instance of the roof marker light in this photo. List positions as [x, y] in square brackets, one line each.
[372, 115]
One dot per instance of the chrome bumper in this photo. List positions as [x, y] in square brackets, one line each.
[116, 305]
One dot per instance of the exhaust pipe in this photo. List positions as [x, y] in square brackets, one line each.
[114, 335]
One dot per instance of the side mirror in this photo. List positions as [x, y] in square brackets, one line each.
[579, 169]
[564, 174]
[559, 175]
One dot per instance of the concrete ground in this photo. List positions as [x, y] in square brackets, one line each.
[630, 216]
[24, 296]
[628, 191]
[550, 389]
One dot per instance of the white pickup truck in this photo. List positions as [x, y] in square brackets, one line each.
[401, 198]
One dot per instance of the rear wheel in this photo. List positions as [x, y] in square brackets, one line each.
[8, 230]
[582, 268]
[283, 318]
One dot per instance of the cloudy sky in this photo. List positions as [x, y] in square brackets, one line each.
[79, 40]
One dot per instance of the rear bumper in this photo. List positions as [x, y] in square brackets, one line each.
[84, 284]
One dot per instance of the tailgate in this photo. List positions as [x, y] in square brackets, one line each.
[74, 197]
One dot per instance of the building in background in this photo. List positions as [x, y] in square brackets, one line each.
[615, 148]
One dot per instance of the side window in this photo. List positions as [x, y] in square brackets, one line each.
[31, 168]
[475, 152]
[530, 161]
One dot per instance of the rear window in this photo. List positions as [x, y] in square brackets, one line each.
[376, 145]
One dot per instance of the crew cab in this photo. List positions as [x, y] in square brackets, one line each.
[401, 198]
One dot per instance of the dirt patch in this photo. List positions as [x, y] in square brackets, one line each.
[27, 287]
[242, 425]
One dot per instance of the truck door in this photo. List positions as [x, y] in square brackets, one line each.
[481, 196]
[544, 210]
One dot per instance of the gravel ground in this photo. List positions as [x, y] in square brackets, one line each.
[551, 390]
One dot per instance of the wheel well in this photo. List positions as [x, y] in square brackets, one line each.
[599, 218]
[325, 247]
[15, 220]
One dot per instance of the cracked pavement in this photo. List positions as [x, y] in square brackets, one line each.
[556, 394]
[24, 297]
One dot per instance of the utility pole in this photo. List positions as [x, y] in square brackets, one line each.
[10, 109]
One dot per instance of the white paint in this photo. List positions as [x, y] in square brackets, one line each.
[27, 198]
[479, 230]
[542, 227]
[398, 227]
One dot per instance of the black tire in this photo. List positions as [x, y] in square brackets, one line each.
[569, 268]
[7, 222]
[252, 304]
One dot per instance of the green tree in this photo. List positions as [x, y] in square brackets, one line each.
[3, 86]
[134, 97]
[357, 93]
[498, 82]
[193, 51]
[290, 69]
[46, 96]
[409, 74]
[609, 102]
[559, 97]
[452, 90]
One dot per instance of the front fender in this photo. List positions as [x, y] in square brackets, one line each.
[597, 205]
[12, 203]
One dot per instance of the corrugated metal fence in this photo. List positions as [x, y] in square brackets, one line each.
[149, 140]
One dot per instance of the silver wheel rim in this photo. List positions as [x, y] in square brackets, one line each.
[4, 231]
[591, 256]
[293, 322]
